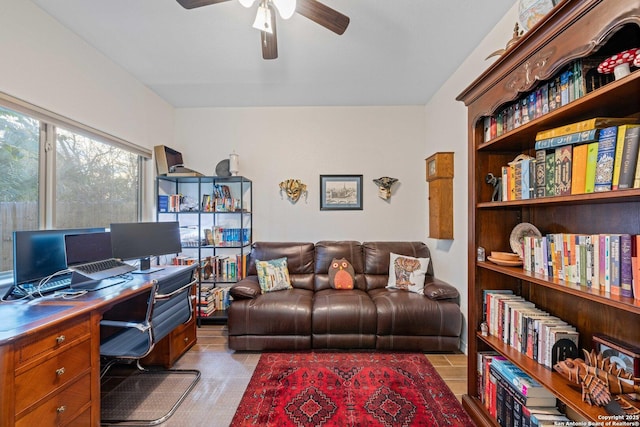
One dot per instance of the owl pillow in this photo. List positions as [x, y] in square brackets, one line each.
[407, 273]
[273, 275]
[341, 274]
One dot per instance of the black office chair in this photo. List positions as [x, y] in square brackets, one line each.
[169, 305]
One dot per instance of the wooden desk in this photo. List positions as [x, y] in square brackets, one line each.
[50, 355]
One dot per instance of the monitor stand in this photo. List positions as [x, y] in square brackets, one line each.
[145, 267]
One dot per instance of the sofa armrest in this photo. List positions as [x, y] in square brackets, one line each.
[438, 290]
[247, 288]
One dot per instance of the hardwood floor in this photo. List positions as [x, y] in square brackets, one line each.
[225, 375]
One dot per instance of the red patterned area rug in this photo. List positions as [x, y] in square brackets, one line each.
[348, 389]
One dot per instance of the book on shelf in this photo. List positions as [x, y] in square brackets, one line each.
[606, 159]
[563, 170]
[550, 173]
[548, 420]
[579, 169]
[614, 268]
[522, 382]
[589, 124]
[629, 157]
[572, 138]
[620, 149]
[512, 409]
[540, 175]
[626, 273]
[635, 267]
[590, 170]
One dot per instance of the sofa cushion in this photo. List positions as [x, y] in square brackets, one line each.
[326, 251]
[286, 312]
[378, 254]
[407, 273]
[300, 260]
[341, 274]
[407, 313]
[273, 275]
[343, 319]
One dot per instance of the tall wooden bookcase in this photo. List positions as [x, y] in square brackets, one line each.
[573, 29]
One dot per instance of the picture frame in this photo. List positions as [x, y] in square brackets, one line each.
[623, 354]
[340, 192]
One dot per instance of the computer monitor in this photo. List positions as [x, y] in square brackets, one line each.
[144, 240]
[41, 253]
[167, 159]
[87, 247]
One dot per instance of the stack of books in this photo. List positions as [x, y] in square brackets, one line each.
[212, 299]
[511, 396]
[571, 83]
[605, 262]
[524, 327]
[595, 155]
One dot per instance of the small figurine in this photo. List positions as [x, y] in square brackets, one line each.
[600, 379]
[497, 187]
[517, 34]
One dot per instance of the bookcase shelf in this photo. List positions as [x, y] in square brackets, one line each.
[569, 393]
[573, 30]
[617, 301]
[200, 221]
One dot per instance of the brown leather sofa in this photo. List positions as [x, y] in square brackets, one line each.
[313, 315]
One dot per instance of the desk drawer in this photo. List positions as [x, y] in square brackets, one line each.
[182, 338]
[62, 408]
[54, 373]
[56, 339]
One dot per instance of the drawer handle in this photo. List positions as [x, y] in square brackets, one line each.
[60, 371]
[60, 339]
[186, 339]
[61, 409]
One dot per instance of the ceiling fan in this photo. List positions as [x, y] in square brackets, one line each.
[266, 18]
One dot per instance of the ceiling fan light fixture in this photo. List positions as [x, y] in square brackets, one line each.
[247, 3]
[286, 8]
[263, 19]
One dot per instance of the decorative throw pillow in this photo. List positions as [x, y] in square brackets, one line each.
[407, 273]
[341, 274]
[273, 275]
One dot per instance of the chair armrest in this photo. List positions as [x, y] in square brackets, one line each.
[247, 288]
[119, 324]
[438, 290]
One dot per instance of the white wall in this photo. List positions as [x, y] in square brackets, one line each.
[450, 257]
[47, 65]
[275, 144]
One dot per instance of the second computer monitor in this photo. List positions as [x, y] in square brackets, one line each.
[145, 240]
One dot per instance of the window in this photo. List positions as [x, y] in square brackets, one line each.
[96, 183]
[60, 174]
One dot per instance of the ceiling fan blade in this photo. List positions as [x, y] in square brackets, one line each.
[192, 4]
[319, 13]
[269, 41]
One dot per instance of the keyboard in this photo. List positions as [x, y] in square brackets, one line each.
[103, 269]
[46, 288]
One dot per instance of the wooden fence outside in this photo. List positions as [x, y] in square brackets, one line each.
[24, 216]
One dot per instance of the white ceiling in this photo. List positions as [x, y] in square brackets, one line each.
[394, 52]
